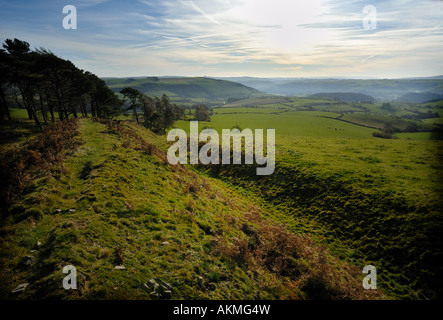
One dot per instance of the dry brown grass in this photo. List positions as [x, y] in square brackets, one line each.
[305, 267]
[40, 155]
[104, 253]
[131, 139]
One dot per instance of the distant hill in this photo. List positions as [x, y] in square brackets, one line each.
[185, 88]
[380, 89]
[419, 97]
[345, 96]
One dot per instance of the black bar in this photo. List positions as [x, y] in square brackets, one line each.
[221, 309]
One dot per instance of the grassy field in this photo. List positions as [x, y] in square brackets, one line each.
[113, 200]
[335, 146]
[414, 135]
[325, 164]
[434, 120]
[399, 116]
[365, 199]
[286, 125]
[379, 121]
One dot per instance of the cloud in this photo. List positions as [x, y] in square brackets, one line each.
[279, 37]
[210, 18]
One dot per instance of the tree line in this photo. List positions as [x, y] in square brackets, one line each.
[50, 87]
[158, 114]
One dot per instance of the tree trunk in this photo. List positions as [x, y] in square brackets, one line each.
[83, 107]
[19, 105]
[30, 102]
[45, 116]
[37, 121]
[92, 107]
[51, 111]
[5, 103]
[136, 114]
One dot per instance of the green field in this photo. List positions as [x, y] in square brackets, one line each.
[379, 121]
[286, 125]
[414, 135]
[251, 110]
[434, 121]
[326, 164]
[389, 181]
[337, 146]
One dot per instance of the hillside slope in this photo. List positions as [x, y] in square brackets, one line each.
[116, 210]
[419, 97]
[185, 88]
[380, 89]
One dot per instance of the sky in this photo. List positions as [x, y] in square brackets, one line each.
[224, 38]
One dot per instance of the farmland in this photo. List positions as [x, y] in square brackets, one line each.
[334, 146]
[325, 155]
[367, 200]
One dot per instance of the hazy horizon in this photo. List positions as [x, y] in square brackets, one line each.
[274, 77]
[236, 38]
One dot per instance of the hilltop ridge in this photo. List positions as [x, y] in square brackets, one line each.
[186, 89]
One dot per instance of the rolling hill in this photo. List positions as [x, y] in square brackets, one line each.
[380, 89]
[419, 97]
[185, 89]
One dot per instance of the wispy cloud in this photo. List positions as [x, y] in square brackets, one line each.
[237, 37]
